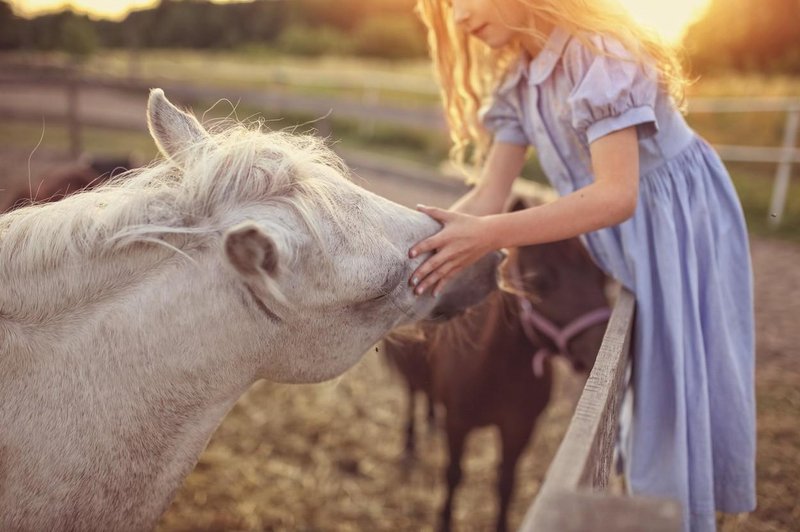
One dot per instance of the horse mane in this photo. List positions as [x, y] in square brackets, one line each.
[171, 204]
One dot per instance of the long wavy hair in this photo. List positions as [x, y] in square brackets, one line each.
[468, 70]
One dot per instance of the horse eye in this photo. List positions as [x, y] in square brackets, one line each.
[544, 282]
[540, 285]
[394, 275]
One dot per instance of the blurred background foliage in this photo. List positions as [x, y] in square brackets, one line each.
[383, 28]
[734, 35]
[746, 36]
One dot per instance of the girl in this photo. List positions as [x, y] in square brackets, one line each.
[597, 97]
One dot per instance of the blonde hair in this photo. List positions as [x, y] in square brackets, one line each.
[468, 71]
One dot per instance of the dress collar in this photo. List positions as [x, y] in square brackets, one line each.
[538, 69]
[545, 61]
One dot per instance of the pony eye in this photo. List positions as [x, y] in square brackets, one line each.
[544, 281]
[542, 285]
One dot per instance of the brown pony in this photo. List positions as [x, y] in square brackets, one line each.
[489, 366]
[72, 177]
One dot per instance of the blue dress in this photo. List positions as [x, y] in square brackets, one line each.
[684, 254]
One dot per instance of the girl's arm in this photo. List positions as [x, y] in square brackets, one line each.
[503, 165]
[609, 200]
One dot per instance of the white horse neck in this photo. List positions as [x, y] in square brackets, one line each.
[128, 392]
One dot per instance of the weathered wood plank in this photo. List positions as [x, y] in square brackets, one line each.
[567, 511]
[584, 458]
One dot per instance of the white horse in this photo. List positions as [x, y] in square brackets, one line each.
[133, 316]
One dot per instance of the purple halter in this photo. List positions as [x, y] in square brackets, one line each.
[534, 322]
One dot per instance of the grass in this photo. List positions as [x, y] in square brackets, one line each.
[408, 81]
[754, 184]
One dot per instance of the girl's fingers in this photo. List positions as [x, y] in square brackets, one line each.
[438, 275]
[430, 280]
[426, 268]
[441, 215]
[429, 244]
[439, 288]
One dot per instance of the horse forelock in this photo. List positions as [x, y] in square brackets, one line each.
[235, 167]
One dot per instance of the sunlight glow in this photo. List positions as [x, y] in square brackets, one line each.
[113, 9]
[668, 17]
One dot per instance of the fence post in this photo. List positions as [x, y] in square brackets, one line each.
[784, 171]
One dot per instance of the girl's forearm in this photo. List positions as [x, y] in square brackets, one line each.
[480, 201]
[588, 209]
[503, 165]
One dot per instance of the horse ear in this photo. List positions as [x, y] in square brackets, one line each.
[251, 251]
[173, 130]
[516, 203]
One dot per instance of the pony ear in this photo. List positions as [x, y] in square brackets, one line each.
[516, 203]
[251, 251]
[173, 130]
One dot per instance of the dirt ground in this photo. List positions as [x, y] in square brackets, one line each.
[329, 456]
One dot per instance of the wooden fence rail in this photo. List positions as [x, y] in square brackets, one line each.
[368, 109]
[784, 156]
[574, 496]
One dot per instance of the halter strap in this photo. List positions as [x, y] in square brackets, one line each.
[535, 323]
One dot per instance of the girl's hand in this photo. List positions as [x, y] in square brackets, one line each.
[462, 241]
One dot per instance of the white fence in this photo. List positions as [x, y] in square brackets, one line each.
[784, 156]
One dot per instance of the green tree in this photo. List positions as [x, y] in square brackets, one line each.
[10, 28]
[389, 37]
[305, 41]
[78, 37]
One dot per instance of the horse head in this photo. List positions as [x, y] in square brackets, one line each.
[133, 315]
[325, 261]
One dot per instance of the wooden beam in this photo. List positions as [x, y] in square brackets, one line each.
[584, 457]
[568, 511]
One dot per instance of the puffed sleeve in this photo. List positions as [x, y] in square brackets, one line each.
[610, 91]
[502, 116]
